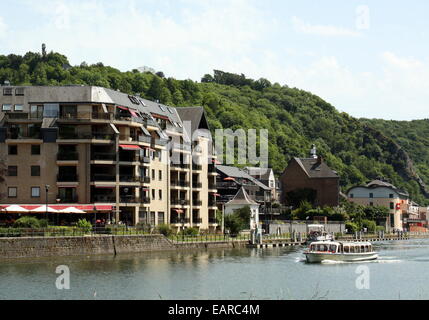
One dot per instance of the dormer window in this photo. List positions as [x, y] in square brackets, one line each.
[161, 107]
[7, 91]
[170, 110]
[19, 91]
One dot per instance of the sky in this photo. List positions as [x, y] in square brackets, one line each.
[367, 58]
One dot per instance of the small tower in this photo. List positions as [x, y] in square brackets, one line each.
[313, 152]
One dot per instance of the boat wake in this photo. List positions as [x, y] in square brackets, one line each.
[360, 262]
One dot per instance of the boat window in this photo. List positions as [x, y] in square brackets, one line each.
[352, 249]
[346, 249]
[333, 248]
[362, 249]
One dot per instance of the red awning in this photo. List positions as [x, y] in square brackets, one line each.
[134, 114]
[159, 116]
[129, 147]
[61, 207]
[229, 179]
[216, 194]
[178, 210]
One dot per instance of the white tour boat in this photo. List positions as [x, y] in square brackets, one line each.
[340, 251]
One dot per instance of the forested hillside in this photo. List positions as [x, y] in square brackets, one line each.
[295, 118]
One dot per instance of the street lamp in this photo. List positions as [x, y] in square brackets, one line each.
[46, 191]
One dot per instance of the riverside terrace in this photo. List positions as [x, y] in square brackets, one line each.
[89, 147]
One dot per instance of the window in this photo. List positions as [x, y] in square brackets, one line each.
[13, 150]
[19, 107]
[12, 171]
[7, 91]
[19, 91]
[35, 192]
[7, 107]
[371, 195]
[161, 218]
[36, 112]
[35, 149]
[392, 206]
[160, 194]
[160, 175]
[51, 110]
[35, 171]
[153, 174]
[170, 110]
[153, 194]
[12, 192]
[391, 196]
[352, 195]
[161, 107]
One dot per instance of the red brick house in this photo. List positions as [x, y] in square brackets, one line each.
[310, 179]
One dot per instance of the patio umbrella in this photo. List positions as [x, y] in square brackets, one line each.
[72, 210]
[229, 179]
[42, 209]
[15, 209]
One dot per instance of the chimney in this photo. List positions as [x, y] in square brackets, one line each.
[319, 160]
[313, 152]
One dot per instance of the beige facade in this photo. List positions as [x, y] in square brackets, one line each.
[96, 146]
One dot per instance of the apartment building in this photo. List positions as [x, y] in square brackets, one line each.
[383, 193]
[121, 157]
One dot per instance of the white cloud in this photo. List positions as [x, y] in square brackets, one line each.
[321, 30]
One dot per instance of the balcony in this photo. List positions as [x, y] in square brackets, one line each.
[85, 136]
[197, 185]
[213, 220]
[179, 202]
[67, 178]
[145, 200]
[73, 199]
[16, 116]
[103, 198]
[102, 116]
[212, 203]
[24, 135]
[212, 186]
[74, 116]
[226, 185]
[103, 156]
[103, 177]
[67, 156]
[145, 160]
[180, 183]
[197, 220]
[177, 220]
[197, 167]
[197, 203]
[145, 179]
[212, 168]
[180, 165]
[128, 178]
[129, 199]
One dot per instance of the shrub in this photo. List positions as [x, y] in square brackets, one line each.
[380, 228]
[369, 224]
[352, 227]
[43, 223]
[142, 226]
[84, 224]
[191, 232]
[164, 229]
[27, 222]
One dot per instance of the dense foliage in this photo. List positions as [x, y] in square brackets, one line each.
[238, 221]
[295, 118]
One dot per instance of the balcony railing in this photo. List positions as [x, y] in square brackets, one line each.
[197, 202]
[67, 178]
[68, 156]
[145, 200]
[102, 116]
[212, 168]
[179, 202]
[103, 177]
[212, 203]
[177, 220]
[213, 220]
[226, 185]
[197, 220]
[74, 199]
[145, 179]
[197, 185]
[129, 199]
[85, 136]
[145, 159]
[128, 178]
[16, 116]
[180, 165]
[103, 198]
[212, 186]
[197, 167]
[103, 156]
[23, 135]
[180, 183]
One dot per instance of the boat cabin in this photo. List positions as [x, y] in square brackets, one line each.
[341, 247]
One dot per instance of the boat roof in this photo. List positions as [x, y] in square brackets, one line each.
[341, 242]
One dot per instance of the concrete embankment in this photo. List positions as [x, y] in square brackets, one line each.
[13, 248]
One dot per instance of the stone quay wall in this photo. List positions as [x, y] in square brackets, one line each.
[34, 247]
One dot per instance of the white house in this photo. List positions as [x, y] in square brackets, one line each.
[241, 200]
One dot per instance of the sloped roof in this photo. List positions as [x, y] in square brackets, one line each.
[235, 172]
[315, 169]
[261, 173]
[242, 198]
[380, 183]
[195, 115]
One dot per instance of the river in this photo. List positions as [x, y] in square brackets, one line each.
[401, 272]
